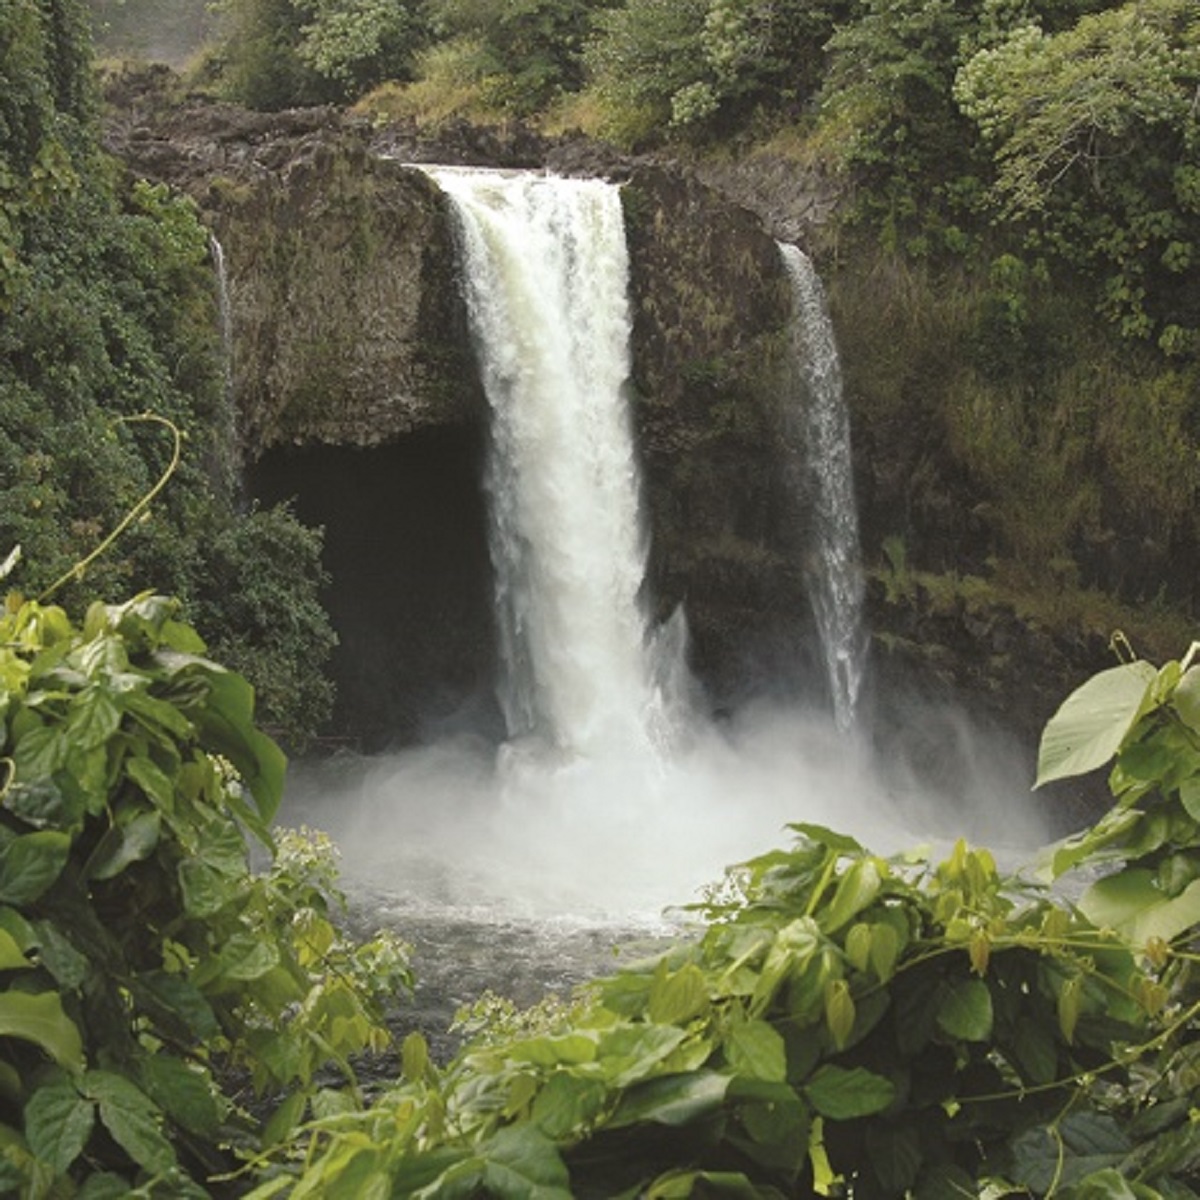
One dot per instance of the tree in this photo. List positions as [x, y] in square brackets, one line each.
[1095, 132]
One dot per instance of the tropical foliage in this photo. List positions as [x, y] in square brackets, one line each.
[107, 311]
[148, 975]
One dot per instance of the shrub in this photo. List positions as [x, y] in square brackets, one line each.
[144, 965]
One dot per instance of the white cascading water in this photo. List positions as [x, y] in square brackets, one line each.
[609, 800]
[228, 469]
[835, 580]
[546, 273]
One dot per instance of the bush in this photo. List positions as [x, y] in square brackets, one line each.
[144, 965]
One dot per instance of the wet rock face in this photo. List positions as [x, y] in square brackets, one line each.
[348, 324]
[711, 308]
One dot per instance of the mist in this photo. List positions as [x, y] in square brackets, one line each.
[481, 831]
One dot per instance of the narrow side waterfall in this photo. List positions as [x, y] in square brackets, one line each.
[228, 470]
[834, 573]
[546, 278]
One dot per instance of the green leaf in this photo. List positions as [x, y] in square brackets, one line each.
[1130, 903]
[756, 1049]
[1187, 698]
[1035, 1052]
[285, 1119]
[104, 1186]
[57, 953]
[1189, 797]
[632, 1052]
[550, 1050]
[29, 864]
[676, 997]
[205, 890]
[894, 1153]
[965, 1010]
[40, 753]
[672, 1099]
[568, 1105]
[131, 839]
[38, 1017]
[839, 1012]
[842, 1094]
[225, 719]
[177, 1005]
[132, 1118]
[183, 1092]
[856, 889]
[247, 956]
[152, 780]
[829, 838]
[678, 1185]
[523, 1164]
[58, 1123]
[11, 955]
[93, 719]
[1094, 721]
[1061, 1155]
[414, 1057]
[43, 803]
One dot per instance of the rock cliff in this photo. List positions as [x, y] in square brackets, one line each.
[350, 338]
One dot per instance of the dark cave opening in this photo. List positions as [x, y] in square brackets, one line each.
[410, 588]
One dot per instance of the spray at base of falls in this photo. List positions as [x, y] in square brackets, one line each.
[610, 800]
[819, 417]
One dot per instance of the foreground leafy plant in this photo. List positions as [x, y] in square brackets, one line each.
[849, 1024]
[144, 965]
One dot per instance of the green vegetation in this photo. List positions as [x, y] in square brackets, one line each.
[107, 312]
[147, 975]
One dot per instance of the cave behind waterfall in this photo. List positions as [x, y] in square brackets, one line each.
[410, 588]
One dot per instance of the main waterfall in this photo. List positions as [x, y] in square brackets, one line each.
[546, 276]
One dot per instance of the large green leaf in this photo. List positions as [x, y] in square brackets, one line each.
[894, 1152]
[1132, 904]
[1186, 698]
[184, 1092]
[842, 1094]
[29, 864]
[94, 718]
[524, 1164]
[567, 1105]
[965, 1010]
[672, 1099]
[133, 1119]
[856, 889]
[757, 1049]
[1082, 1143]
[1094, 720]
[131, 839]
[677, 996]
[11, 955]
[38, 1017]
[225, 718]
[58, 1123]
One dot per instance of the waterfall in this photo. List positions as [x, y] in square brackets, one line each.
[227, 456]
[546, 278]
[835, 581]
